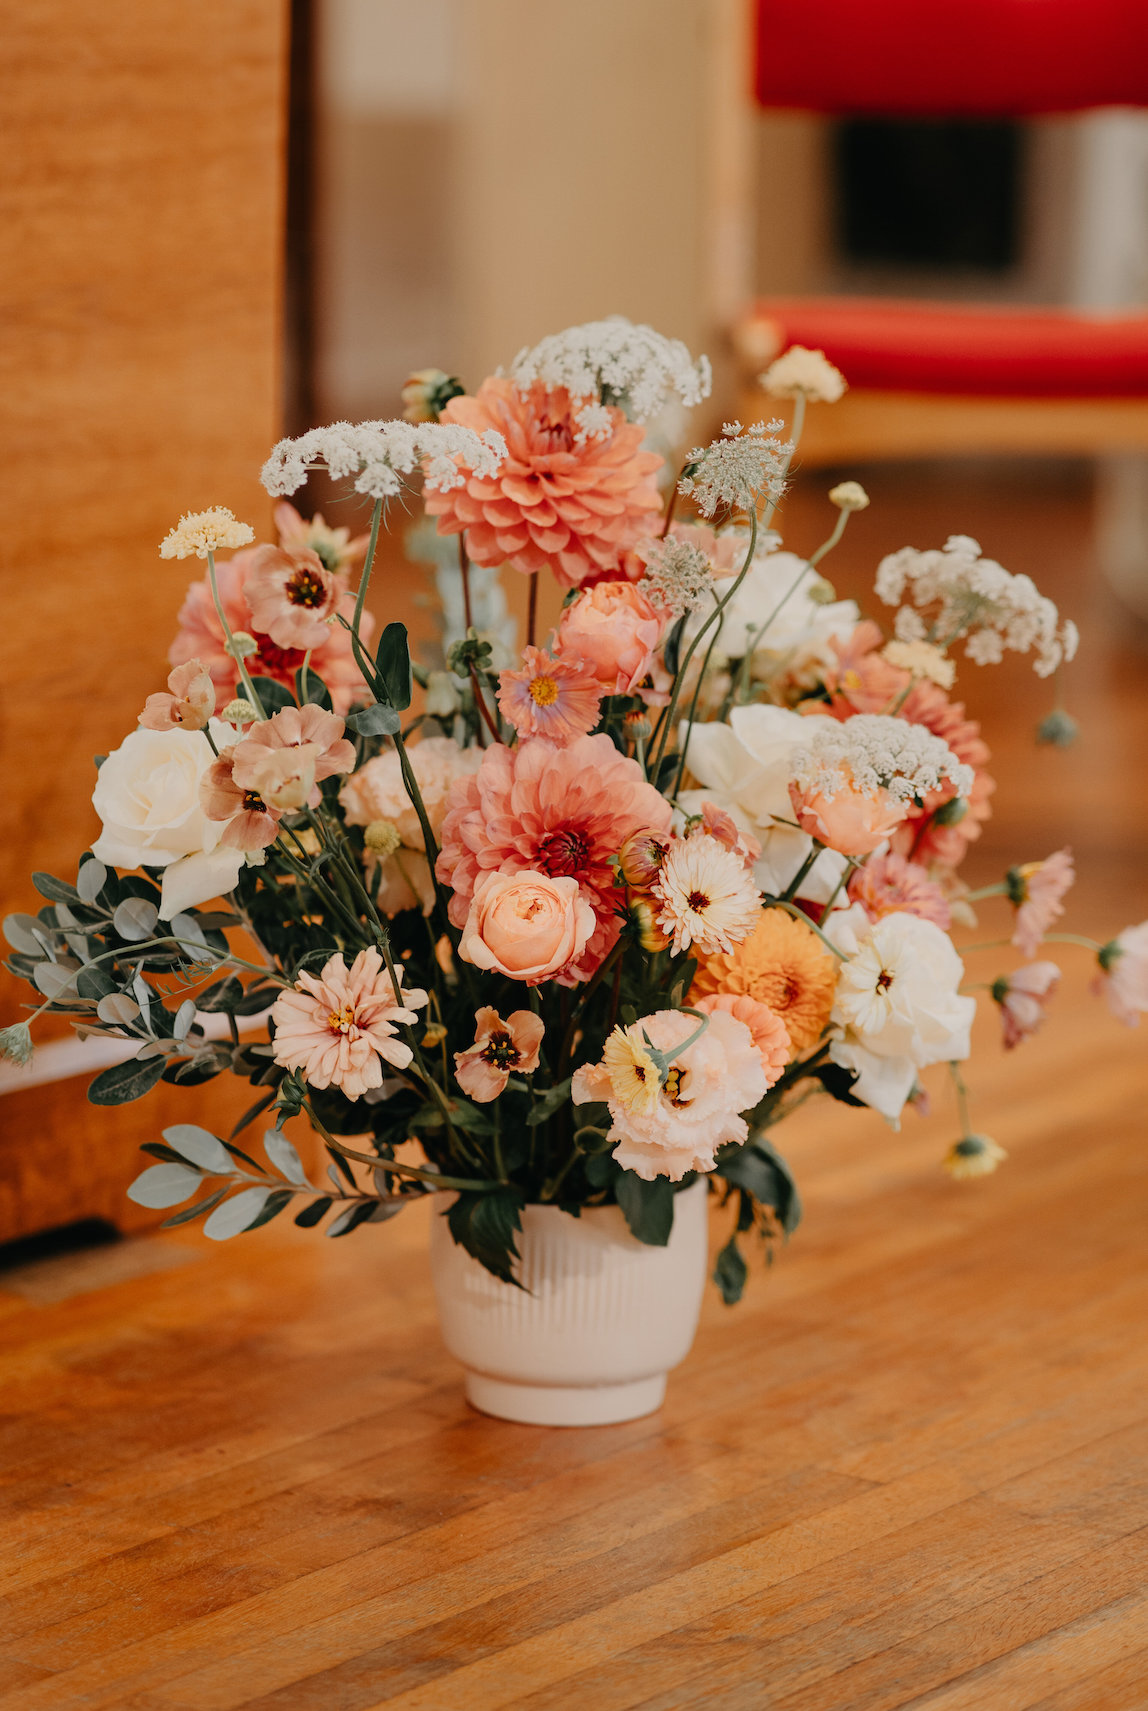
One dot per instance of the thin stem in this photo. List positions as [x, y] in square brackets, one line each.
[394, 1167]
[1049, 939]
[827, 546]
[368, 564]
[800, 915]
[962, 1093]
[480, 701]
[464, 573]
[791, 889]
[244, 674]
[532, 610]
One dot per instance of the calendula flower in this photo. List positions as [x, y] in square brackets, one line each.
[1022, 996]
[500, 1049]
[292, 596]
[922, 659]
[849, 496]
[555, 698]
[335, 548]
[339, 1028]
[738, 469]
[973, 1155]
[782, 964]
[1123, 978]
[799, 370]
[189, 702]
[1036, 891]
[704, 896]
[200, 532]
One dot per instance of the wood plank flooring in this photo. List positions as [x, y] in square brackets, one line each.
[909, 1471]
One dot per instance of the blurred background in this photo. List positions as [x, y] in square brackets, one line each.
[236, 220]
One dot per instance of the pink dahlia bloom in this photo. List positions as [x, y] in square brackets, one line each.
[890, 885]
[680, 1125]
[553, 698]
[1022, 996]
[567, 496]
[1037, 890]
[559, 811]
[340, 1028]
[201, 637]
[1123, 978]
[292, 596]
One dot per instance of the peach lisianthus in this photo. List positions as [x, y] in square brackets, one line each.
[853, 822]
[500, 1048]
[340, 1027]
[613, 631]
[770, 1034]
[188, 702]
[527, 925]
[549, 697]
[301, 727]
[889, 884]
[1037, 890]
[563, 496]
[292, 596]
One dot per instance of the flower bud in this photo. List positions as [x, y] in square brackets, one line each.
[640, 859]
[382, 837]
[242, 645]
[1058, 728]
[849, 496]
[650, 935]
[427, 393]
[239, 712]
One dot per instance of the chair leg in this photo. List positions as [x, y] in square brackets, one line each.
[1122, 526]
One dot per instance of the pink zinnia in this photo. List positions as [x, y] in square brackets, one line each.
[889, 885]
[557, 810]
[292, 596]
[201, 637]
[1022, 996]
[340, 1028]
[1036, 890]
[1123, 978]
[483, 1069]
[564, 496]
[552, 698]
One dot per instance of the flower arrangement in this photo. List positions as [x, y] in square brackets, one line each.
[576, 929]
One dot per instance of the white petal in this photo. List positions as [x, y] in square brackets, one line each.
[884, 1083]
[197, 879]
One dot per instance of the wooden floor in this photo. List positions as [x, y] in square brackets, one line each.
[910, 1471]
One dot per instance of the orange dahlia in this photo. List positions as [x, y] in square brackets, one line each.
[784, 966]
[574, 492]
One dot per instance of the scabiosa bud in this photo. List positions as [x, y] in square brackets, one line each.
[849, 496]
[1058, 728]
[239, 712]
[382, 837]
[16, 1043]
[242, 645]
[637, 726]
[640, 859]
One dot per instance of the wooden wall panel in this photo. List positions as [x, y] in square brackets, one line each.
[141, 198]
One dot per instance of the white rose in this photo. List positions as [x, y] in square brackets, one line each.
[765, 618]
[897, 1007]
[147, 796]
[746, 767]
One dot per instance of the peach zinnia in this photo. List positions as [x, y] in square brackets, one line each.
[785, 967]
[339, 1028]
[889, 885]
[564, 496]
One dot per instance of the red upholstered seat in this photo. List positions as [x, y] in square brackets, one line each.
[942, 347]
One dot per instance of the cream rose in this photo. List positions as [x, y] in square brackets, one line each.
[377, 791]
[147, 796]
[526, 925]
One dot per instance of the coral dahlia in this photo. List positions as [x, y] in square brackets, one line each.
[573, 492]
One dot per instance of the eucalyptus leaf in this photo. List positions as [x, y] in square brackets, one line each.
[184, 1017]
[53, 980]
[200, 1146]
[350, 1219]
[377, 721]
[55, 890]
[126, 1081]
[21, 933]
[91, 879]
[273, 695]
[164, 1185]
[236, 1214]
[187, 928]
[314, 1213]
[116, 1007]
[283, 1156]
[135, 918]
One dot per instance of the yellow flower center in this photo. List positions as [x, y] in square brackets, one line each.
[543, 691]
[342, 1021]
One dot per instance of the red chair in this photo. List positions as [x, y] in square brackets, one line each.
[928, 377]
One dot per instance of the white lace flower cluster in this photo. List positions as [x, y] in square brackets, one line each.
[380, 454]
[875, 752]
[737, 469]
[974, 597]
[618, 362]
[678, 576]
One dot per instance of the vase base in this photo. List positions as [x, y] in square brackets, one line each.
[565, 1404]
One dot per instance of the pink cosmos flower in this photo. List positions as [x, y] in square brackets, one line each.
[1036, 890]
[499, 1049]
[613, 631]
[1022, 996]
[890, 885]
[549, 697]
[334, 546]
[340, 1028]
[769, 1032]
[556, 810]
[201, 637]
[676, 1126]
[1123, 978]
[190, 700]
[292, 596]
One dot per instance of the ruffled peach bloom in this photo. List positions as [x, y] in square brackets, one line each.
[853, 822]
[292, 597]
[377, 791]
[559, 811]
[704, 896]
[698, 1106]
[1022, 996]
[890, 885]
[284, 778]
[500, 1049]
[782, 964]
[250, 823]
[527, 925]
[613, 631]
[190, 700]
[201, 637]
[294, 728]
[549, 697]
[340, 1027]
[1036, 891]
[334, 547]
[1123, 978]
[563, 496]
[769, 1032]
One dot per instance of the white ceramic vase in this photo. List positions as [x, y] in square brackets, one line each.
[601, 1321]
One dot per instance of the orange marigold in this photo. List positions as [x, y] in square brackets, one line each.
[784, 965]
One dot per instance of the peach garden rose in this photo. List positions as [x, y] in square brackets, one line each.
[526, 925]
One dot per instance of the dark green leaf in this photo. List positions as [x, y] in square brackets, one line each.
[258, 997]
[313, 1214]
[601, 1169]
[95, 982]
[312, 689]
[648, 1207]
[351, 1218]
[548, 1102]
[220, 995]
[55, 890]
[730, 1272]
[126, 1081]
[761, 1171]
[837, 1082]
[272, 1206]
[673, 646]
[486, 1225]
[393, 661]
[250, 1115]
[667, 772]
[273, 696]
[377, 721]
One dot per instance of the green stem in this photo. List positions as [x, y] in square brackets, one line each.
[800, 915]
[244, 674]
[463, 1184]
[368, 564]
[791, 889]
[962, 1093]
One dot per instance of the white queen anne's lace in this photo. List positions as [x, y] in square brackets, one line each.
[877, 752]
[617, 362]
[737, 469]
[974, 597]
[678, 576]
[380, 454]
